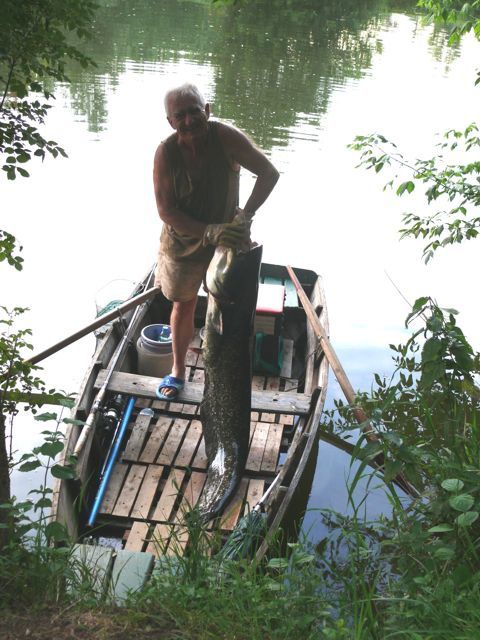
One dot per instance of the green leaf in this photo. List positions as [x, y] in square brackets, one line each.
[278, 563]
[45, 417]
[463, 502]
[444, 553]
[441, 528]
[51, 449]
[392, 469]
[466, 519]
[452, 484]
[64, 473]
[56, 531]
[30, 466]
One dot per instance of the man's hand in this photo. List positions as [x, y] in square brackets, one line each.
[232, 235]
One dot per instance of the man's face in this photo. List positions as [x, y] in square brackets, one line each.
[188, 116]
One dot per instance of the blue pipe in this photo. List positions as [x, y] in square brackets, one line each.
[113, 457]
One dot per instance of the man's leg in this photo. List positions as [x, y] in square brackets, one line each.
[182, 323]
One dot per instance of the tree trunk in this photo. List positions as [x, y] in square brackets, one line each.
[4, 485]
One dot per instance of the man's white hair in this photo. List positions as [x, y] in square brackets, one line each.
[187, 89]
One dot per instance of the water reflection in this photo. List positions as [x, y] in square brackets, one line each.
[272, 60]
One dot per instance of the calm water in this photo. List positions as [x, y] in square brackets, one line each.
[302, 79]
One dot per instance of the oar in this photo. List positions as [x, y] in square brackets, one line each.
[116, 313]
[332, 357]
[342, 378]
[116, 358]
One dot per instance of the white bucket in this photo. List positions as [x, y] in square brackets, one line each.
[154, 348]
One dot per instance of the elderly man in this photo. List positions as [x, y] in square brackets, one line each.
[196, 181]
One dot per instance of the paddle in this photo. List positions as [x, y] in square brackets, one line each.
[332, 357]
[342, 378]
[116, 313]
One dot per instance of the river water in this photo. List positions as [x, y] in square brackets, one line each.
[302, 79]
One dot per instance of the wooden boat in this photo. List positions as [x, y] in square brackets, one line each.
[162, 465]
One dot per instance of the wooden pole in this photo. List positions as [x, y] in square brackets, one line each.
[332, 357]
[116, 313]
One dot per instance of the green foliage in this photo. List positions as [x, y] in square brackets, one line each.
[36, 46]
[457, 185]
[461, 17]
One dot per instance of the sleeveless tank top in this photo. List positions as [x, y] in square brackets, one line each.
[212, 198]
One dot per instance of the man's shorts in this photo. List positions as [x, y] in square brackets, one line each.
[179, 281]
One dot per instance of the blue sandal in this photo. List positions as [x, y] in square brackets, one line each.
[170, 382]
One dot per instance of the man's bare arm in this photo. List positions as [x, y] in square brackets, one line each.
[242, 150]
[164, 196]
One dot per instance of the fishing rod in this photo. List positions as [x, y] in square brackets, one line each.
[116, 359]
[111, 459]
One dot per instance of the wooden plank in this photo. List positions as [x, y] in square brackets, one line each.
[191, 494]
[137, 437]
[170, 493]
[189, 444]
[269, 401]
[178, 541]
[273, 384]
[234, 509]
[257, 447]
[287, 363]
[137, 536]
[158, 542]
[129, 574]
[258, 383]
[155, 440]
[172, 443]
[113, 489]
[267, 417]
[199, 376]
[254, 416]
[272, 448]
[200, 461]
[147, 492]
[285, 419]
[256, 489]
[129, 491]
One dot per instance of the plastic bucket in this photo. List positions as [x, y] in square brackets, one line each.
[154, 348]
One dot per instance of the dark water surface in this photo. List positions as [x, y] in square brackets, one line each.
[302, 79]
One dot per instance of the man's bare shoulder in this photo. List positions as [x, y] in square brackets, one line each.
[230, 135]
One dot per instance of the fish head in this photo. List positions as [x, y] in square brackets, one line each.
[232, 276]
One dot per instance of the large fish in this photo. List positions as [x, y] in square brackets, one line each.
[232, 283]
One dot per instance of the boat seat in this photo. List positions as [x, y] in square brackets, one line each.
[266, 400]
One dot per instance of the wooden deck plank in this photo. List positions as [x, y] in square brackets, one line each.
[189, 444]
[272, 448]
[137, 437]
[234, 509]
[155, 440]
[158, 542]
[258, 383]
[171, 490]
[262, 400]
[256, 489]
[147, 492]
[137, 536]
[113, 489]
[129, 491]
[267, 417]
[199, 376]
[257, 447]
[287, 363]
[172, 443]
[283, 418]
[200, 461]
[191, 494]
